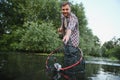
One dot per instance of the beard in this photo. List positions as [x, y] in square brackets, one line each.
[66, 14]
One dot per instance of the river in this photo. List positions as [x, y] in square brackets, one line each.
[31, 66]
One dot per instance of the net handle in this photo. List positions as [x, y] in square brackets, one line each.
[51, 54]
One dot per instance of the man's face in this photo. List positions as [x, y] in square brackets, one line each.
[66, 10]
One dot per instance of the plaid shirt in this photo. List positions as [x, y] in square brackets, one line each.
[73, 25]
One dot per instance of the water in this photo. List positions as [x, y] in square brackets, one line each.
[20, 66]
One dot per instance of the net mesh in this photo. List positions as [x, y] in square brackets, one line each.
[74, 63]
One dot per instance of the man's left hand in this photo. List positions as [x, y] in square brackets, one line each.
[65, 39]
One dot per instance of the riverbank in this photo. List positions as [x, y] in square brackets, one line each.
[100, 58]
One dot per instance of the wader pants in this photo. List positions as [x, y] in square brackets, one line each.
[71, 56]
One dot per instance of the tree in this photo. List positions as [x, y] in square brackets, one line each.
[38, 37]
[111, 48]
[17, 33]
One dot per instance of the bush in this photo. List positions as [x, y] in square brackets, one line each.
[116, 52]
[39, 37]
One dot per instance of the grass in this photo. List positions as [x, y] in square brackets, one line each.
[46, 54]
[113, 58]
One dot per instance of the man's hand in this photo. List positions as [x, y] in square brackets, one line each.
[60, 30]
[65, 39]
[67, 36]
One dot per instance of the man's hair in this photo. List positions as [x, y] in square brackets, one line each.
[65, 3]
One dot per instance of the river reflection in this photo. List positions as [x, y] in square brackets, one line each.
[20, 66]
[103, 72]
[65, 76]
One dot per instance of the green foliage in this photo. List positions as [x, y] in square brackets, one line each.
[111, 48]
[39, 37]
[5, 42]
[116, 52]
[30, 25]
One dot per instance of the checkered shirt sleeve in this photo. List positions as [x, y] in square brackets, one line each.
[73, 25]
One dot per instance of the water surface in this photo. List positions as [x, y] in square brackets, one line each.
[21, 66]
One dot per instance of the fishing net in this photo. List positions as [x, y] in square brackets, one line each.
[59, 60]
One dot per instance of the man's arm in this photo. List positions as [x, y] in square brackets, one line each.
[67, 36]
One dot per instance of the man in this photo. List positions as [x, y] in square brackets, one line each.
[70, 31]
